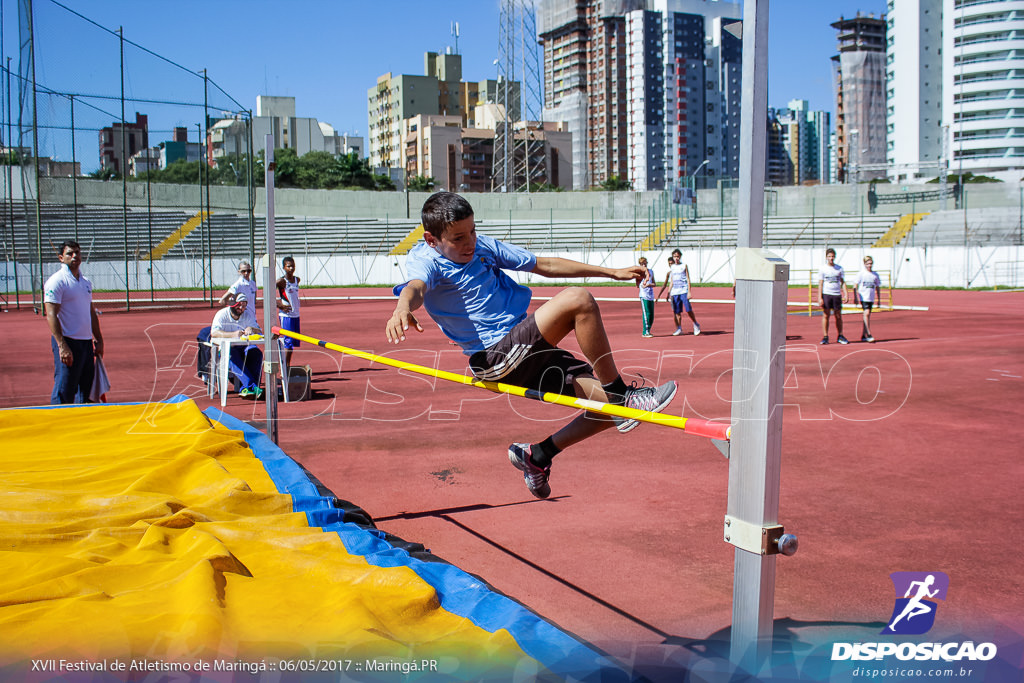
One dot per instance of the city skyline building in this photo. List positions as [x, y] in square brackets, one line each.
[227, 138]
[806, 140]
[650, 89]
[440, 91]
[685, 66]
[859, 79]
[586, 81]
[112, 140]
[983, 101]
[914, 90]
[461, 158]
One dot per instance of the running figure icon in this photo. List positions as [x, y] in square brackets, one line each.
[916, 606]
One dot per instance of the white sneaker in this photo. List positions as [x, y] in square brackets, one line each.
[696, 329]
[678, 332]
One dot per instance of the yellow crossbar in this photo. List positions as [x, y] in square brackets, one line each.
[691, 425]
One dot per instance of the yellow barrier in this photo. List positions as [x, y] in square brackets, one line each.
[899, 230]
[160, 250]
[408, 243]
[658, 234]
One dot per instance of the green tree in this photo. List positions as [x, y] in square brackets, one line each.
[545, 187]
[615, 184]
[318, 170]
[181, 172]
[383, 182]
[104, 174]
[234, 170]
[355, 172]
[286, 168]
[968, 178]
[420, 183]
[11, 158]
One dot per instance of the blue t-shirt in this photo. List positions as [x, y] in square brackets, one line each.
[475, 304]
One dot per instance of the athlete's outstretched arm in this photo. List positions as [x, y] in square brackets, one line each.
[409, 300]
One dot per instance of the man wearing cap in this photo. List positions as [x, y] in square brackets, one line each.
[233, 322]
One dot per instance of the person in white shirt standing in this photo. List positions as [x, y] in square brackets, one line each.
[868, 289]
[646, 286]
[679, 295]
[243, 285]
[288, 306]
[832, 295]
[74, 327]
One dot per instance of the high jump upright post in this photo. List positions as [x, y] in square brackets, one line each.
[271, 361]
[751, 521]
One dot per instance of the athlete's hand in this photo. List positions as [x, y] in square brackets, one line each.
[400, 321]
[637, 273]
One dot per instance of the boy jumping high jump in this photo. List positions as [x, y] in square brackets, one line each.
[457, 276]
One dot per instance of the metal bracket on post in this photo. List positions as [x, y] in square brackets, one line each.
[760, 540]
[760, 264]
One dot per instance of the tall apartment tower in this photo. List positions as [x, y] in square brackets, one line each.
[810, 151]
[649, 88]
[586, 80]
[798, 145]
[859, 72]
[913, 90]
[983, 86]
[685, 65]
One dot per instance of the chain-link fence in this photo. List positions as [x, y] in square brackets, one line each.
[82, 100]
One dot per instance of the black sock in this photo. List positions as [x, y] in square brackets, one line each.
[615, 390]
[542, 453]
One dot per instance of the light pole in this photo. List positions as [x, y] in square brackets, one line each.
[853, 149]
[693, 186]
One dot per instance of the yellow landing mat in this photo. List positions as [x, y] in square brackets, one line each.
[153, 533]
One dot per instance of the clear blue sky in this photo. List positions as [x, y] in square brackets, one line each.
[325, 53]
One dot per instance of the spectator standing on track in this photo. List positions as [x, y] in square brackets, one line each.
[233, 322]
[288, 306]
[458, 277]
[647, 298]
[832, 295]
[74, 327]
[243, 285]
[868, 289]
[679, 295]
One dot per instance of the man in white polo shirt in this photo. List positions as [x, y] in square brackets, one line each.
[74, 327]
[233, 322]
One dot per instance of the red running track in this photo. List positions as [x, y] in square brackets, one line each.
[903, 455]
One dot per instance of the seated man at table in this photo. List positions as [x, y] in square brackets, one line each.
[233, 322]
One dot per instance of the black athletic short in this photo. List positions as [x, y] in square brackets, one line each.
[832, 302]
[524, 358]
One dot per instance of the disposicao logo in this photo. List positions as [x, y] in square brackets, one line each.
[914, 614]
[916, 595]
